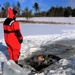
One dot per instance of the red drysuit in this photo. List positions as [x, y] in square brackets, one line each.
[12, 35]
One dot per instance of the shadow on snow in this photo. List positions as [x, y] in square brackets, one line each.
[3, 50]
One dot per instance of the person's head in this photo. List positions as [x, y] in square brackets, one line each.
[12, 13]
[15, 13]
[40, 58]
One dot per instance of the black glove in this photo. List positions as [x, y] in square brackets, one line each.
[20, 41]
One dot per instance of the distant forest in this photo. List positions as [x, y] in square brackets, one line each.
[52, 12]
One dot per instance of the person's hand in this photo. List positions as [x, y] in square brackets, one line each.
[20, 41]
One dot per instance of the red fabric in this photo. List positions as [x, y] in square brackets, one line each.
[13, 44]
[11, 40]
[10, 13]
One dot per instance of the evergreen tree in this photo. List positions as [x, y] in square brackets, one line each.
[36, 7]
[73, 12]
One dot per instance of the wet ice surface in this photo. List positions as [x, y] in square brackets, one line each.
[45, 29]
[62, 46]
[33, 45]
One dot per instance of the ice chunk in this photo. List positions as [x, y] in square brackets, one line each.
[10, 68]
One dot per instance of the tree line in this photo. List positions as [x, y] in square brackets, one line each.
[52, 12]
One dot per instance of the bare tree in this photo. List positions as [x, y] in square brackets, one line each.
[6, 5]
[5, 8]
[17, 7]
[27, 13]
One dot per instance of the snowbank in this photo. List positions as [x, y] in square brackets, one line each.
[60, 45]
[41, 42]
[10, 68]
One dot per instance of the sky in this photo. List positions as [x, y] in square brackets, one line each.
[43, 4]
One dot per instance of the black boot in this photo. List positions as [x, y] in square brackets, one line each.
[16, 62]
[20, 65]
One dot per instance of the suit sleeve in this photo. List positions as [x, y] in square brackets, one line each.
[18, 32]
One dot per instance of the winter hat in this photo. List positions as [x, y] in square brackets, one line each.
[14, 11]
[11, 12]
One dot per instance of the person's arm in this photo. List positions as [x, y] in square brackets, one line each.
[18, 32]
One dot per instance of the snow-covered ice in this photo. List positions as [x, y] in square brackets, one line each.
[51, 19]
[54, 39]
[10, 68]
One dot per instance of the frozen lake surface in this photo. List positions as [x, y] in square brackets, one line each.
[45, 29]
[42, 29]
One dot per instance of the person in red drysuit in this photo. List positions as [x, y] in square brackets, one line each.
[12, 35]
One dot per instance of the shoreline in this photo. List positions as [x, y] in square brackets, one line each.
[41, 22]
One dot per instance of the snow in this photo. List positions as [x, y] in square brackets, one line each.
[10, 68]
[46, 38]
[51, 19]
